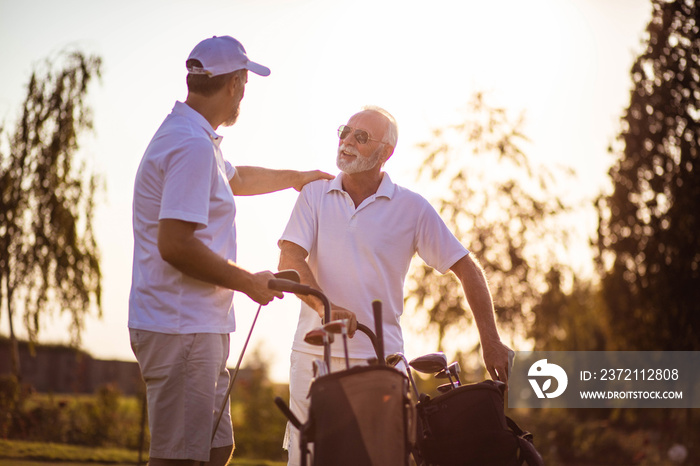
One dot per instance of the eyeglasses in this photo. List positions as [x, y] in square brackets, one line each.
[361, 135]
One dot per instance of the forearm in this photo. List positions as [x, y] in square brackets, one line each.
[250, 181]
[479, 298]
[179, 247]
[194, 259]
[476, 289]
[293, 256]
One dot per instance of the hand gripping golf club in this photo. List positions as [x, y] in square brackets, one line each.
[377, 338]
[290, 286]
[291, 276]
[322, 336]
[341, 327]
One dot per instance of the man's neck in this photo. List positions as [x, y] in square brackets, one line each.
[362, 185]
[205, 107]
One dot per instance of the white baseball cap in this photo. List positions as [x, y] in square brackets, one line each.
[221, 55]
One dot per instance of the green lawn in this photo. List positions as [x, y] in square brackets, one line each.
[16, 453]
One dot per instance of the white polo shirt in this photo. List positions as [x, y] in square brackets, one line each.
[182, 176]
[361, 254]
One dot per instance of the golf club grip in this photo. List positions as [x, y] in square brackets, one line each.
[287, 412]
[379, 330]
[370, 334]
[281, 284]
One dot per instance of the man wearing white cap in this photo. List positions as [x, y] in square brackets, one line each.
[184, 267]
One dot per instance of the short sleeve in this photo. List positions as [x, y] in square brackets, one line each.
[301, 228]
[435, 243]
[230, 170]
[188, 182]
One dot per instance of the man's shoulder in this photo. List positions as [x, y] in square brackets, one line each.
[316, 188]
[182, 127]
[176, 133]
[405, 194]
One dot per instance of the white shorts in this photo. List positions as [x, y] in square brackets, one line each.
[300, 377]
[186, 381]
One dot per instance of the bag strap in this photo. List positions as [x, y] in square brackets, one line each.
[518, 431]
[528, 454]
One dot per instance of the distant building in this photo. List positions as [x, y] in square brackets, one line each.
[61, 369]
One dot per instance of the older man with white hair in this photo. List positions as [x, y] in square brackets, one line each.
[353, 238]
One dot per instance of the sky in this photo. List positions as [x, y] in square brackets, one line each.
[563, 63]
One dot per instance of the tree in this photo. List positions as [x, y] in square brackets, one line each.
[501, 207]
[258, 424]
[569, 319]
[49, 260]
[648, 241]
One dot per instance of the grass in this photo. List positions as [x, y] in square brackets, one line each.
[42, 454]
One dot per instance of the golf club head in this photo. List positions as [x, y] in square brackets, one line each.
[336, 326]
[316, 337]
[288, 274]
[430, 363]
[394, 359]
[320, 368]
[446, 387]
[453, 369]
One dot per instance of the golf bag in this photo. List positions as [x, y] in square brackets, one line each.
[467, 426]
[359, 417]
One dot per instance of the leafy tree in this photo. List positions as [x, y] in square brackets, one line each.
[649, 246]
[49, 260]
[257, 423]
[497, 204]
[569, 320]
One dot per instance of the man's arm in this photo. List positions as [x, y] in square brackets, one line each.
[476, 289]
[180, 248]
[249, 181]
[293, 256]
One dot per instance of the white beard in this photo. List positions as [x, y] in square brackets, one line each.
[360, 164]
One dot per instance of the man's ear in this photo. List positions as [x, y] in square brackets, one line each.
[233, 84]
[387, 153]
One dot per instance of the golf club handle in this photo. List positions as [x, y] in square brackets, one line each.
[373, 338]
[287, 412]
[379, 330]
[289, 286]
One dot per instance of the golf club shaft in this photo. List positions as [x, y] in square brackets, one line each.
[235, 373]
[345, 345]
[379, 331]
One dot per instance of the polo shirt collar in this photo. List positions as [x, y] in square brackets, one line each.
[186, 111]
[386, 187]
